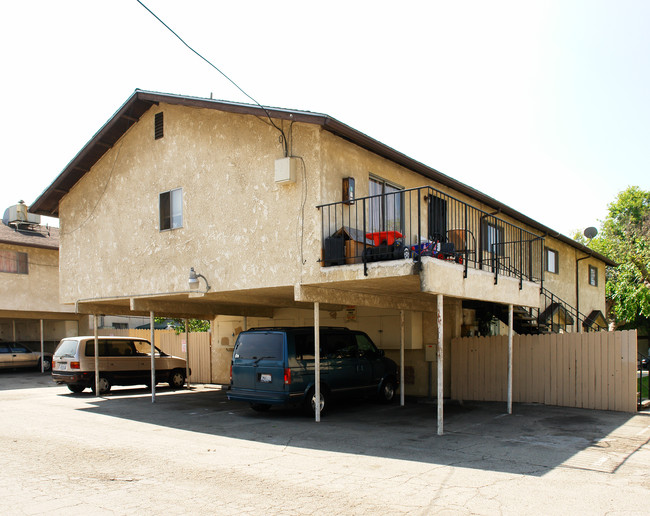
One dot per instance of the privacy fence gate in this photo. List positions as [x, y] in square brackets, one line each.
[596, 370]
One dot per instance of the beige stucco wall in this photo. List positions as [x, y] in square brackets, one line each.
[240, 229]
[37, 291]
[563, 284]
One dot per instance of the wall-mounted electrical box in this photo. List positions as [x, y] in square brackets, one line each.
[285, 170]
[431, 352]
[348, 190]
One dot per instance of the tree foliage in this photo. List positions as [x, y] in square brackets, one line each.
[625, 239]
[193, 325]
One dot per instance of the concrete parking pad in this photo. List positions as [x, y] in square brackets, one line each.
[195, 452]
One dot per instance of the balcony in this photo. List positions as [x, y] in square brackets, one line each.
[425, 222]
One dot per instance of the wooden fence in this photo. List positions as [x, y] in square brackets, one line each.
[171, 343]
[588, 370]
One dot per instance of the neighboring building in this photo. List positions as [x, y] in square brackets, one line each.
[29, 280]
[281, 211]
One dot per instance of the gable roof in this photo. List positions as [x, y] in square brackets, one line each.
[140, 102]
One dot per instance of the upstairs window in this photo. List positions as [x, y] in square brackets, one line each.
[593, 276]
[552, 261]
[171, 209]
[492, 237]
[13, 262]
[386, 207]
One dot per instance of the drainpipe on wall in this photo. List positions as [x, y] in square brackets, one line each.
[579, 327]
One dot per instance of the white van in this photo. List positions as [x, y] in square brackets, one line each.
[122, 361]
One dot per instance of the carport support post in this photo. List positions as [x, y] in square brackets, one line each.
[42, 350]
[401, 359]
[153, 362]
[316, 362]
[439, 357]
[187, 355]
[510, 323]
[97, 393]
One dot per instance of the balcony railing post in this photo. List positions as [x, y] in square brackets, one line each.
[365, 240]
[466, 236]
[419, 238]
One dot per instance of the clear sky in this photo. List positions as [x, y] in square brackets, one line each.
[542, 105]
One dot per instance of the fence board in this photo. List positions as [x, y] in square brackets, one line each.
[590, 370]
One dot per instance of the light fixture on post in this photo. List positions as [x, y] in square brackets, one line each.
[194, 280]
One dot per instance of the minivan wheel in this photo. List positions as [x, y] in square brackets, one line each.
[260, 407]
[310, 405]
[76, 388]
[177, 379]
[387, 391]
[104, 385]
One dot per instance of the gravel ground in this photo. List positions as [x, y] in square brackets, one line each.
[193, 452]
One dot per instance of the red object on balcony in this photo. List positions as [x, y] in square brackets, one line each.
[380, 236]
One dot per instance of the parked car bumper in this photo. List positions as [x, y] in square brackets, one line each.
[271, 397]
[73, 378]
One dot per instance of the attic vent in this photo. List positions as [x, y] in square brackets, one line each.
[158, 126]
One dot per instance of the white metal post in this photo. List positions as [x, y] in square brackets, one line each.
[317, 361]
[153, 361]
[187, 356]
[401, 359]
[439, 358]
[510, 332]
[42, 350]
[97, 393]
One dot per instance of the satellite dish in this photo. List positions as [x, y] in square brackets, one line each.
[591, 232]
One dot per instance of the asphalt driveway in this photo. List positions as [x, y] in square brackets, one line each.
[195, 452]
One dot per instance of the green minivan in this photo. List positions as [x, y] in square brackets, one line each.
[275, 366]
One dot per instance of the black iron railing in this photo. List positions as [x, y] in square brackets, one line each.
[427, 222]
[556, 314]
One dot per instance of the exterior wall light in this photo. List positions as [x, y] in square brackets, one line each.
[194, 280]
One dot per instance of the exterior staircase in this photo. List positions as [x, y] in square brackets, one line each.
[554, 315]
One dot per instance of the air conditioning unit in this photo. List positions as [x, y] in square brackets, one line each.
[18, 215]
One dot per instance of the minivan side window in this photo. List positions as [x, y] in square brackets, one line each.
[339, 345]
[259, 345]
[304, 346]
[366, 347]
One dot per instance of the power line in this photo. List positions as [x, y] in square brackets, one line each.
[284, 138]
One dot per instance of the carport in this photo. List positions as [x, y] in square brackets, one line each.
[404, 293]
[19, 322]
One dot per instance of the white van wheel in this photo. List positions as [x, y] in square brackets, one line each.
[104, 385]
[76, 388]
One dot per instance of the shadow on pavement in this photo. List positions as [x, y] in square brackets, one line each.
[532, 441]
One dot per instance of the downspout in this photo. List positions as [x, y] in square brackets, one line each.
[578, 325]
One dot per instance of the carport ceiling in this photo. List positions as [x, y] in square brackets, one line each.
[252, 303]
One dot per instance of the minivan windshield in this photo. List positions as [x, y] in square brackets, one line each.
[67, 348]
[259, 345]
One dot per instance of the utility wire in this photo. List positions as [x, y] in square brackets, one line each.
[284, 138]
